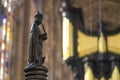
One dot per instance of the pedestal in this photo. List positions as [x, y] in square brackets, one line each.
[36, 72]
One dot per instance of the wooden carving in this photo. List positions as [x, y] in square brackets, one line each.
[36, 39]
[35, 70]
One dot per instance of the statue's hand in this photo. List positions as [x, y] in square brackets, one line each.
[43, 36]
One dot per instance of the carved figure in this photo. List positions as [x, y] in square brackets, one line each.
[36, 39]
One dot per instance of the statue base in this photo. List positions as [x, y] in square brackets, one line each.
[36, 72]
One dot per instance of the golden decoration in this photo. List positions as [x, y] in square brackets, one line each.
[115, 74]
[114, 43]
[89, 74]
[86, 44]
[102, 43]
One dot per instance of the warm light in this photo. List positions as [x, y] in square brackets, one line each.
[65, 34]
[3, 33]
[4, 21]
[9, 9]
[2, 66]
[67, 39]
[8, 32]
[1, 74]
[5, 3]
[2, 60]
[3, 46]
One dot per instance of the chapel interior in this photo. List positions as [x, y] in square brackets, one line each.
[83, 38]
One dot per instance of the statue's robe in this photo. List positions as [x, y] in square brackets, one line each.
[35, 46]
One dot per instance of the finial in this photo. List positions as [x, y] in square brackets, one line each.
[102, 43]
[103, 78]
[115, 73]
[89, 74]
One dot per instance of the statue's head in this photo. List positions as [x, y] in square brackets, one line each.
[38, 18]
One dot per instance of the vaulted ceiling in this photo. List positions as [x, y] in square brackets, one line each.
[94, 11]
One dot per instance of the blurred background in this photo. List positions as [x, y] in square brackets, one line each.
[16, 18]
[80, 33]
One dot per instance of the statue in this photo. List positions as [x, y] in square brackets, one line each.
[36, 39]
[35, 69]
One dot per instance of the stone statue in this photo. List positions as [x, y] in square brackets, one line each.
[36, 39]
